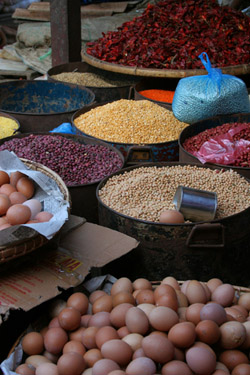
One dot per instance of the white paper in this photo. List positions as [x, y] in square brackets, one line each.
[47, 192]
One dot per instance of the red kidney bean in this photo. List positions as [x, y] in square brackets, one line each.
[76, 163]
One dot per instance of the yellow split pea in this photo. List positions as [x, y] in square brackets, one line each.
[131, 121]
[7, 127]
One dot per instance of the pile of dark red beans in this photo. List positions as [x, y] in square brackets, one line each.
[193, 144]
[76, 163]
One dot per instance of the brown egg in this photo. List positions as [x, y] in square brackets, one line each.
[176, 368]
[145, 296]
[88, 337]
[137, 321]
[69, 318]
[232, 358]
[164, 289]
[79, 301]
[32, 343]
[193, 312]
[15, 176]
[170, 280]
[55, 339]
[123, 297]
[195, 292]
[182, 335]
[4, 178]
[54, 323]
[171, 217]
[43, 216]
[118, 351]
[5, 203]
[246, 342]
[103, 303]
[181, 299]
[168, 300]
[17, 197]
[241, 369]
[122, 332]
[96, 294]
[142, 283]
[163, 318]
[47, 368]
[224, 295]
[100, 319]
[233, 334]
[215, 312]
[7, 189]
[244, 300]
[141, 365]
[85, 320]
[138, 353]
[77, 334]
[36, 360]
[52, 357]
[92, 356]
[71, 363]
[123, 284]
[118, 313]
[214, 283]
[5, 226]
[26, 186]
[3, 220]
[104, 367]
[25, 369]
[235, 314]
[208, 331]
[182, 314]
[158, 348]
[104, 334]
[200, 360]
[74, 346]
[18, 214]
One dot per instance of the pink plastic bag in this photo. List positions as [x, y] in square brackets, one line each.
[223, 149]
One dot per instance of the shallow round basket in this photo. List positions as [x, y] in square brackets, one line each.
[167, 73]
[31, 239]
[39, 322]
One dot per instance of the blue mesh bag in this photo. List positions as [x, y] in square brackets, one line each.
[199, 97]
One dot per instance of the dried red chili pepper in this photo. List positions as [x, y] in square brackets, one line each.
[171, 35]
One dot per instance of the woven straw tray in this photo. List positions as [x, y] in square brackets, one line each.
[39, 323]
[30, 239]
[163, 73]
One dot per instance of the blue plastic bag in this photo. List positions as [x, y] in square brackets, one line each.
[65, 127]
[199, 97]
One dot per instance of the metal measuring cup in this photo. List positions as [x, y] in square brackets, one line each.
[195, 204]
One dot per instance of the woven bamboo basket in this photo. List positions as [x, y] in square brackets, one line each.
[237, 70]
[38, 324]
[34, 239]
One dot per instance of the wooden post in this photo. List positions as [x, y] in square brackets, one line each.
[65, 21]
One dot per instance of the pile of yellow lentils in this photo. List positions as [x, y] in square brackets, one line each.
[130, 121]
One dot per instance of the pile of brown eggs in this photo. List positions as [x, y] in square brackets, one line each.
[16, 205]
[144, 328]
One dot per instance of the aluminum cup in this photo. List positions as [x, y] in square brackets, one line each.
[195, 204]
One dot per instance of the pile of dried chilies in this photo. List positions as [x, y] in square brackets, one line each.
[171, 34]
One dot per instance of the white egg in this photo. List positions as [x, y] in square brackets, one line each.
[34, 205]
